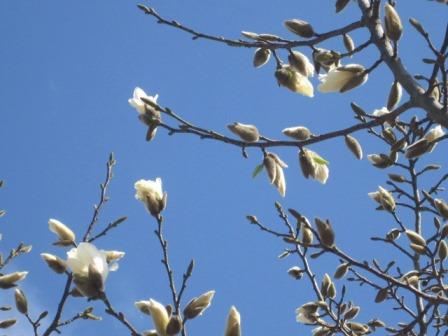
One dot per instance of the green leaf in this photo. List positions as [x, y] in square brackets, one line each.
[257, 170]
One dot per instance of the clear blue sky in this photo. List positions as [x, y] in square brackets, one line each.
[67, 70]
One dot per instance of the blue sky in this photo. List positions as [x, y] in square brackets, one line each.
[67, 72]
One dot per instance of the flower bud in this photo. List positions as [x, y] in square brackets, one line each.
[307, 313]
[9, 280]
[233, 327]
[443, 250]
[55, 263]
[174, 325]
[395, 94]
[340, 5]
[198, 305]
[307, 236]
[442, 207]
[389, 135]
[7, 323]
[300, 27]
[248, 133]
[393, 234]
[159, 316]
[299, 133]
[354, 146]
[301, 63]
[296, 272]
[65, 234]
[418, 148]
[380, 160]
[392, 22]
[21, 301]
[358, 328]
[150, 193]
[326, 233]
[261, 57]
[415, 238]
[352, 313]
[341, 270]
[348, 43]
[381, 295]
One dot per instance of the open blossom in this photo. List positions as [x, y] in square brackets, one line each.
[233, 327]
[294, 81]
[137, 102]
[342, 78]
[89, 267]
[151, 194]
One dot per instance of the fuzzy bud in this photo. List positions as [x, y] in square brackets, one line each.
[55, 263]
[392, 22]
[395, 94]
[261, 57]
[354, 146]
[326, 233]
[198, 305]
[248, 133]
[299, 27]
[21, 301]
[9, 280]
[299, 133]
[442, 207]
[348, 43]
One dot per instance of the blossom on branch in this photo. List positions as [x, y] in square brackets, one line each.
[343, 78]
[151, 194]
[90, 269]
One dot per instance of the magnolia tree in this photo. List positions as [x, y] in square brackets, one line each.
[411, 196]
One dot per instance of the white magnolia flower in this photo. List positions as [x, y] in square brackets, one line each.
[435, 133]
[89, 267]
[342, 78]
[233, 327]
[159, 316]
[274, 167]
[151, 194]
[307, 313]
[64, 233]
[137, 102]
[315, 166]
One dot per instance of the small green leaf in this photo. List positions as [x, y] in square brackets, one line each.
[257, 170]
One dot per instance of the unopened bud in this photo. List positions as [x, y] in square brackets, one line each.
[300, 27]
[248, 133]
[300, 63]
[340, 5]
[7, 323]
[341, 270]
[393, 234]
[389, 135]
[261, 57]
[296, 272]
[348, 43]
[65, 234]
[55, 263]
[198, 305]
[380, 160]
[9, 280]
[352, 313]
[418, 148]
[21, 302]
[299, 133]
[442, 207]
[355, 81]
[174, 325]
[354, 146]
[443, 250]
[394, 95]
[392, 22]
[326, 233]
[397, 178]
